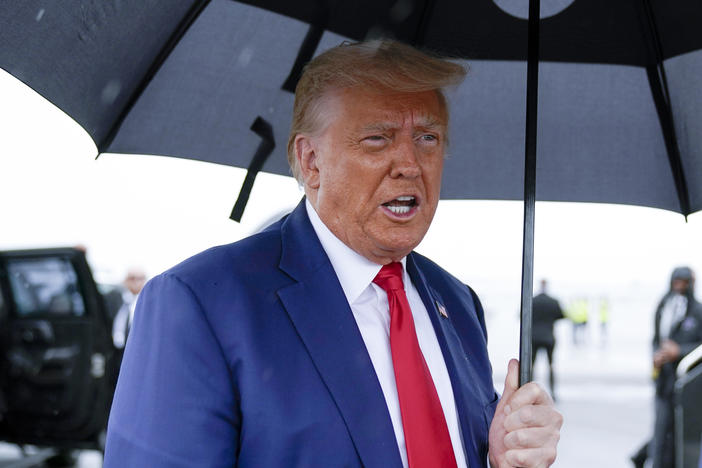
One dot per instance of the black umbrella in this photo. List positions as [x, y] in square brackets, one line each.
[620, 97]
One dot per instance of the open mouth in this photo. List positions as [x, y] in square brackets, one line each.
[401, 206]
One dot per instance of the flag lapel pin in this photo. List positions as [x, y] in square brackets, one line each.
[442, 310]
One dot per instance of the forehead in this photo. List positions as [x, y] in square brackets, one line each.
[362, 107]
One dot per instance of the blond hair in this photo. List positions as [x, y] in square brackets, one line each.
[384, 65]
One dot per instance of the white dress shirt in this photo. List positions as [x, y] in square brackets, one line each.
[673, 312]
[123, 319]
[369, 304]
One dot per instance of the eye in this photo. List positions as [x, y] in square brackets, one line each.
[375, 141]
[428, 138]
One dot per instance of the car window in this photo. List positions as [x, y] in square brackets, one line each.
[45, 286]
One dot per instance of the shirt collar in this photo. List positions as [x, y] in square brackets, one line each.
[355, 272]
[127, 296]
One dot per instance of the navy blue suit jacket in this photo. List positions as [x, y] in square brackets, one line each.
[248, 355]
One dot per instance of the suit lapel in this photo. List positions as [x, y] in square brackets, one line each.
[460, 371]
[323, 319]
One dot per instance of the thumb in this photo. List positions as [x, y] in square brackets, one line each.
[511, 382]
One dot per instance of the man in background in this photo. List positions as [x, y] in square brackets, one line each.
[121, 303]
[678, 330]
[133, 283]
[546, 311]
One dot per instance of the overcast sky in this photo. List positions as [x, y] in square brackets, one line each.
[156, 211]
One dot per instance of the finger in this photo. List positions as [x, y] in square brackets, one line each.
[530, 394]
[532, 457]
[511, 385]
[533, 416]
[533, 437]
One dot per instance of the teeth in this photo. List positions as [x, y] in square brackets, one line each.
[405, 198]
[399, 210]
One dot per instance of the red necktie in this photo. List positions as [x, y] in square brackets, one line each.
[426, 434]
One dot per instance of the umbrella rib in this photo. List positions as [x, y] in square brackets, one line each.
[308, 47]
[661, 97]
[304, 55]
[165, 51]
[665, 119]
[656, 44]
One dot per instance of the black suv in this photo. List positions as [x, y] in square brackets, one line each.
[57, 360]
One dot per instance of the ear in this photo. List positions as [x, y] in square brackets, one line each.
[306, 154]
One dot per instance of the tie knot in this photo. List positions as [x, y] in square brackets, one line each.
[390, 277]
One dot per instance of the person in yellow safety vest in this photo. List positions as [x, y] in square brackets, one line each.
[578, 313]
[604, 319]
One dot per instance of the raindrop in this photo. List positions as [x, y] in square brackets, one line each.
[520, 8]
[40, 14]
[110, 92]
[245, 57]
[271, 110]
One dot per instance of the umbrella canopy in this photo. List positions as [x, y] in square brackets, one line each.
[619, 96]
[620, 100]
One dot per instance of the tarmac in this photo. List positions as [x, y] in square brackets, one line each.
[603, 385]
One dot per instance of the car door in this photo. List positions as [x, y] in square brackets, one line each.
[54, 349]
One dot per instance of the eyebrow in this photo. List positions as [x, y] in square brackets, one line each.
[427, 122]
[379, 127]
[431, 122]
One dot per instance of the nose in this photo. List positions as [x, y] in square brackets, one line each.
[405, 160]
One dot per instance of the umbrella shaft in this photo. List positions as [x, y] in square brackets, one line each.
[525, 351]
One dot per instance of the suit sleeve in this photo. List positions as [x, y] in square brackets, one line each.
[175, 403]
[479, 311]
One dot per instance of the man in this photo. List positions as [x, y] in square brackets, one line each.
[133, 284]
[324, 341]
[578, 314]
[546, 311]
[122, 300]
[678, 330]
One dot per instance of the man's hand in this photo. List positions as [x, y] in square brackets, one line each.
[526, 427]
[668, 352]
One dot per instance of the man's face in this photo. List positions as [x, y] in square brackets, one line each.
[680, 285]
[135, 281]
[374, 174]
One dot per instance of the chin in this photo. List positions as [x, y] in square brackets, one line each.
[395, 241]
[399, 249]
